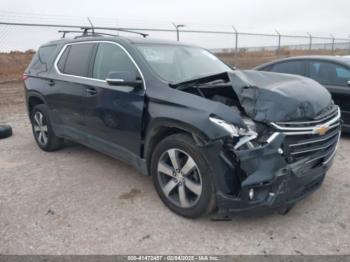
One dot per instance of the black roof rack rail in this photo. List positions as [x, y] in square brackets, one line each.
[65, 32]
[96, 34]
[86, 29]
[84, 33]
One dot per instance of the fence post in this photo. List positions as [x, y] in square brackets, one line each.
[236, 46]
[333, 40]
[177, 30]
[279, 43]
[310, 43]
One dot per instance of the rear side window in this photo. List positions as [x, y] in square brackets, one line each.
[42, 59]
[76, 60]
[290, 67]
[329, 73]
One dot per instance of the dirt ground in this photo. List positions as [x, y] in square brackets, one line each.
[78, 201]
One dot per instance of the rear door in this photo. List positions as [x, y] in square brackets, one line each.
[69, 87]
[335, 78]
[114, 113]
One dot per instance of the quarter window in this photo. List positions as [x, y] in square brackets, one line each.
[111, 58]
[329, 73]
[42, 59]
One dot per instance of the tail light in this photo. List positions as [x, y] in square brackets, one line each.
[25, 77]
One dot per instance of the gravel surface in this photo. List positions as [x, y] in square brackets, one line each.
[78, 201]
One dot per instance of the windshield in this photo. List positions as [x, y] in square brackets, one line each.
[176, 63]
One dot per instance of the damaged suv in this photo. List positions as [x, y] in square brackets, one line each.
[211, 137]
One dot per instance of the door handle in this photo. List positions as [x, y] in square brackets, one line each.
[51, 82]
[91, 91]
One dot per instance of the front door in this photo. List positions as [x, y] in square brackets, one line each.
[113, 114]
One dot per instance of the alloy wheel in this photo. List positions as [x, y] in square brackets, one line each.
[40, 128]
[179, 178]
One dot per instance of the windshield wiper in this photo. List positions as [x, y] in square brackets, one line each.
[210, 80]
[197, 84]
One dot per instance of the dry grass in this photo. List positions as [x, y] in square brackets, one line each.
[13, 64]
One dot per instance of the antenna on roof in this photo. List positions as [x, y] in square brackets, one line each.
[92, 27]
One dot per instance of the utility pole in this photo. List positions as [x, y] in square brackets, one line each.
[178, 30]
[333, 42]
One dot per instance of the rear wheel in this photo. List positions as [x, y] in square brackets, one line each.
[43, 131]
[182, 176]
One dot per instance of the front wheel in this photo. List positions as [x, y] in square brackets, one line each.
[182, 176]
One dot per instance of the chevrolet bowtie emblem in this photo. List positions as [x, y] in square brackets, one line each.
[321, 130]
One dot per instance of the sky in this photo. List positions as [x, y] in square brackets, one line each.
[322, 17]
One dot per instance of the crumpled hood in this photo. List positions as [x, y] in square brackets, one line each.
[273, 97]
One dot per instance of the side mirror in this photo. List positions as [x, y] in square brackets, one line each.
[348, 82]
[123, 78]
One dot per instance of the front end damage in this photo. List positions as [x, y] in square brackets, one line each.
[289, 141]
[289, 166]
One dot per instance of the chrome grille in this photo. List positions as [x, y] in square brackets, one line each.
[305, 140]
[322, 118]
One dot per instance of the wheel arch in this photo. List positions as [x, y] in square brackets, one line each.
[163, 128]
[33, 100]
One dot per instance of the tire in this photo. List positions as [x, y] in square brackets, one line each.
[189, 192]
[43, 131]
[5, 131]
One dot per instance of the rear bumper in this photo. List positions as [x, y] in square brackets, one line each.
[271, 182]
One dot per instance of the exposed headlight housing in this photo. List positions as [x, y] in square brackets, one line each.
[233, 130]
[244, 135]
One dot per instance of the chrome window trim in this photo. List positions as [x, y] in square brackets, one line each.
[90, 78]
[116, 80]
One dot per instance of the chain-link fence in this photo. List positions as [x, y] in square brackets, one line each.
[21, 36]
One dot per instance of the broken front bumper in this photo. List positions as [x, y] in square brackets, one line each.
[291, 164]
[273, 183]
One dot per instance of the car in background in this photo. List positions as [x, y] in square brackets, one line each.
[333, 72]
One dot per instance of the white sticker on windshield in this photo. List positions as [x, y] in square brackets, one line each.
[153, 55]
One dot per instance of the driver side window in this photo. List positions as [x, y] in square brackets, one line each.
[111, 58]
[329, 73]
